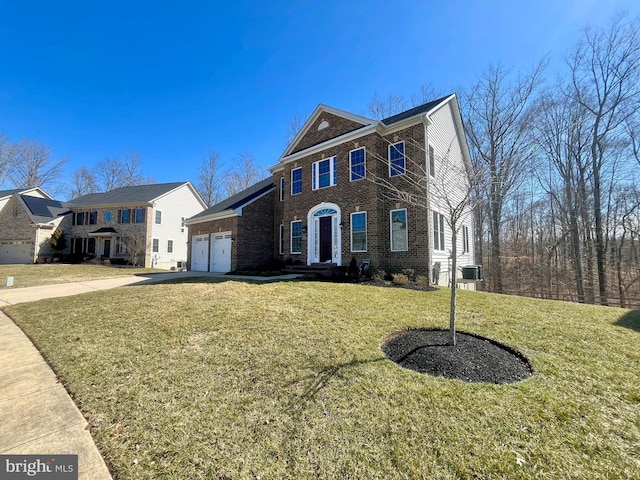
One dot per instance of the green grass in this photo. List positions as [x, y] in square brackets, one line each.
[46, 274]
[287, 380]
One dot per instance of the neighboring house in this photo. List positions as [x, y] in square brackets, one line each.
[329, 202]
[147, 221]
[28, 218]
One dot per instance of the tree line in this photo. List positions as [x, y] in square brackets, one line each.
[30, 164]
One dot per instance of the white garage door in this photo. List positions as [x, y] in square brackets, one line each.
[200, 253]
[221, 252]
[15, 252]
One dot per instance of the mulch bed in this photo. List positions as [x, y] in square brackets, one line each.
[473, 359]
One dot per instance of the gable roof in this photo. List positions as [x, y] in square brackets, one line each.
[43, 210]
[9, 193]
[127, 195]
[424, 108]
[229, 206]
[383, 127]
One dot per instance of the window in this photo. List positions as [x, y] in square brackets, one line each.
[396, 159]
[121, 245]
[324, 173]
[91, 246]
[139, 215]
[93, 218]
[123, 216]
[357, 164]
[296, 237]
[432, 162]
[465, 239]
[169, 246]
[80, 218]
[296, 181]
[158, 220]
[359, 232]
[282, 189]
[281, 240]
[155, 245]
[438, 231]
[399, 242]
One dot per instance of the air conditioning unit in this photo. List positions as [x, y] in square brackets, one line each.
[473, 273]
[181, 265]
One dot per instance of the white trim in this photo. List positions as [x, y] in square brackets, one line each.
[364, 164]
[173, 242]
[152, 240]
[406, 217]
[366, 231]
[281, 239]
[155, 217]
[313, 253]
[438, 227]
[315, 172]
[291, 238]
[291, 180]
[282, 184]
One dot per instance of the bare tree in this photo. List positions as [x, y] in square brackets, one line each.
[605, 81]
[244, 174]
[109, 173]
[83, 182]
[7, 158]
[497, 123]
[210, 178]
[380, 108]
[420, 187]
[132, 170]
[295, 124]
[34, 167]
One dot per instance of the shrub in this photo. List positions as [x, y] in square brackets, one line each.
[409, 272]
[422, 280]
[400, 279]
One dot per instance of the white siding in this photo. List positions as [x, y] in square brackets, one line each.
[174, 206]
[443, 137]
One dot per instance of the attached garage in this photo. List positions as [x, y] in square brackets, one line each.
[200, 253]
[221, 252]
[15, 251]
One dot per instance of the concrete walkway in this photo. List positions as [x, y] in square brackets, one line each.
[37, 416]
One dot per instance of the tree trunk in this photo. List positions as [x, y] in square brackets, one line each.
[454, 268]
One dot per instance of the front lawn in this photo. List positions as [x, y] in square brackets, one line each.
[287, 380]
[50, 273]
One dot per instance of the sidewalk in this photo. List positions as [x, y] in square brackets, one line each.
[37, 416]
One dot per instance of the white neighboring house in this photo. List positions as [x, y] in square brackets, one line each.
[28, 218]
[146, 218]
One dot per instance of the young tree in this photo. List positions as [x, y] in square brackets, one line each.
[442, 188]
[605, 81]
[210, 178]
[497, 123]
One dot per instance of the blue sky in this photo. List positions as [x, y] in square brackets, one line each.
[173, 80]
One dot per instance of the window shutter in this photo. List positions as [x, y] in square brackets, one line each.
[314, 170]
[335, 171]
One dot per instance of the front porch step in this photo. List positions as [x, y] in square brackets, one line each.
[321, 269]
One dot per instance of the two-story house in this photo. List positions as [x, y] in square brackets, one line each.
[351, 187]
[145, 221]
[28, 218]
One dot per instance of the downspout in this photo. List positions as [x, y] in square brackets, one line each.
[425, 123]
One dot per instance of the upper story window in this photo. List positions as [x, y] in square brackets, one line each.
[123, 216]
[438, 231]
[93, 217]
[357, 164]
[79, 218]
[282, 189]
[359, 232]
[139, 215]
[399, 237]
[158, 219]
[432, 162]
[324, 173]
[296, 181]
[396, 159]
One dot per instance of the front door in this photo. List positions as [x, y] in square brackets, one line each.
[106, 250]
[325, 239]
